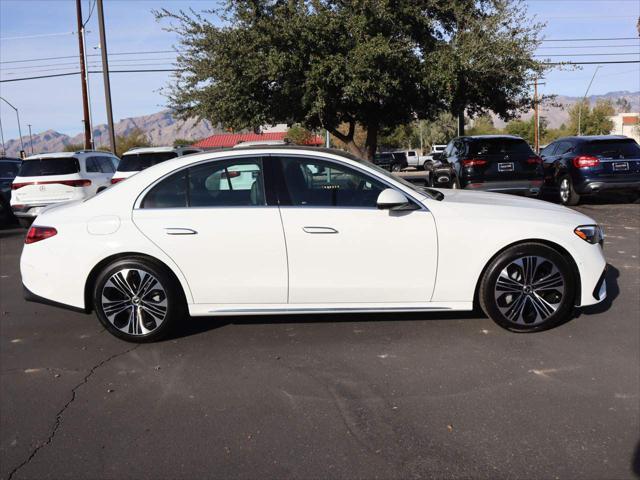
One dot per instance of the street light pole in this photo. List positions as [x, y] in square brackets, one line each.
[583, 99]
[105, 76]
[19, 128]
[30, 138]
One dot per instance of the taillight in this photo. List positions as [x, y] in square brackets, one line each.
[36, 234]
[69, 183]
[534, 160]
[116, 180]
[473, 162]
[585, 161]
[233, 174]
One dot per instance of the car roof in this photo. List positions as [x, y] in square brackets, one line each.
[46, 155]
[485, 137]
[10, 159]
[160, 149]
[589, 138]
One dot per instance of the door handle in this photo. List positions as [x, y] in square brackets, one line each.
[319, 230]
[179, 231]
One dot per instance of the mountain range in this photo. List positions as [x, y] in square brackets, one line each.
[162, 128]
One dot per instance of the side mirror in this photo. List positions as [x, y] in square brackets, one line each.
[390, 199]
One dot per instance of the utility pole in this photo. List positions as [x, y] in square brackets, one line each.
[83, 78]
[19, 128]
[30, 138]
[4, 152]
[105, 74]
[583, 99]
[536, 142]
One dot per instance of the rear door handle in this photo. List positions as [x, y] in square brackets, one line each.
[319, 230]
[179, 231]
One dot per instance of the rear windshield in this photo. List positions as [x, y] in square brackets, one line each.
[134, 162]
[9, 169]
[498, 146]
[49, 166]
[613, 148]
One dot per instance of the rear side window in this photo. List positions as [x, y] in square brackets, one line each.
[134, 162]
[612, 148]
[9, 169]
[49, 166]
[498, 146]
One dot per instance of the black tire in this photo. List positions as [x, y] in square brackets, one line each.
[136, 314]
[396, 167]
[25, 222]
[455, 183]
[515, 303]
[427, 165]
[566, 193]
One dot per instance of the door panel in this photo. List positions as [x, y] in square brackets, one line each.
[350, 255]
[237, 255]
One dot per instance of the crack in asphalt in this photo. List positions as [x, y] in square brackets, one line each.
[58, 420]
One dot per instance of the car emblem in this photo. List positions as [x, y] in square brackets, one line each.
[42, 188]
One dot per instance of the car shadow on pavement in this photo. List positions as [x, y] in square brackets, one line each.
[612, 292]
[197, 325]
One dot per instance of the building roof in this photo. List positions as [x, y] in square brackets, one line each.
[226, 140]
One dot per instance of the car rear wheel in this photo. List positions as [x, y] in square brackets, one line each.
[137, 300]
[528, 287]
[396, 167]
[567, 193]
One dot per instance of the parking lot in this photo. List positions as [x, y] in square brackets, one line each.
[351, 396]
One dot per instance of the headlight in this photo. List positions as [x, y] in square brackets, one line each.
[590, 233]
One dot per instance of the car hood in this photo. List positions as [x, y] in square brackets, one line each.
[500, 205]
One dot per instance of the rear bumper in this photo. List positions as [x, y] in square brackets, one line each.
[594, 186]
[28, 211]
[522, 187]
[29, 296]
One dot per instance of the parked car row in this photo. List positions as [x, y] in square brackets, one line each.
[38, 181]
[570, 167]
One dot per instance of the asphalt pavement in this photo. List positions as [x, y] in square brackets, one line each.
[349, 396]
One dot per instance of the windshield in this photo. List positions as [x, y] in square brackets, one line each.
[9, 169]
[430, 192]
[134, 162]
[613, 148]
[49, 166]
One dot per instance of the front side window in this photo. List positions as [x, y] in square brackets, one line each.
[231, 183]
[317, 183]
[135, 162]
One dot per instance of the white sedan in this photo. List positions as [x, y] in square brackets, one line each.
[279, 230]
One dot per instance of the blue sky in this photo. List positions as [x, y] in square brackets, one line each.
[32, 29]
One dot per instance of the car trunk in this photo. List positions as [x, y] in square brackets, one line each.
[502, 159]
[47, 180]
[617, 159]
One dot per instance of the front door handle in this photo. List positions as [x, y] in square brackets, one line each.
[179, 231]
[319, 230]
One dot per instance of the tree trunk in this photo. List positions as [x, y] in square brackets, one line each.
[348, 140]
[371, 143]
[461, 123]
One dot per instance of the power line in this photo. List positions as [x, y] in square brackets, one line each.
[588, 39]
[149, 52]
[22, 37]
[593, 46]
[588, 54]
[62, 65]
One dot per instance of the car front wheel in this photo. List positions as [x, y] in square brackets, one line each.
[528, 287]
[568, 195]
[137, 300]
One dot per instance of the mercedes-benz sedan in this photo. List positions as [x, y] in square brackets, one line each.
[293, 230]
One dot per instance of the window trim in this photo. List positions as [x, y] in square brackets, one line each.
[281, 183]
[258, 158]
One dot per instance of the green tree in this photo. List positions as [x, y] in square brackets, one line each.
[132, 139]
[184, 142]
[588, 120]
[483, 125]
[73, 147]
[526, 129]
[329, 63]
[299, 135]
[487, 63]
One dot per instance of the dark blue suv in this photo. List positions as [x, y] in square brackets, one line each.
[577, 166]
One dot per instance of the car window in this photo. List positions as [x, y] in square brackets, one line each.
[214, 184]
[548, 150]
[135, 162]
[448, 148]
[9, 169]
[411, 154]
[563, 147]
[49, 166]
[317, 183]
[105, 165]
[612, 148]
[498, 146]
[225, 184]
[92, 165]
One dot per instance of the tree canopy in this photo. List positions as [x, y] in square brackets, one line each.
[330, 64]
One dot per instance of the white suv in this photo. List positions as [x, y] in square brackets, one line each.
[50, 178]
[138, 159]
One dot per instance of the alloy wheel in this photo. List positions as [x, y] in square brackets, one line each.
[529, 290]
[134, 301]
[565, 190]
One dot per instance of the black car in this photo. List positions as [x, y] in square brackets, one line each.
[577, 166]
[8, 170]
[495, 163]
[392, 161]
